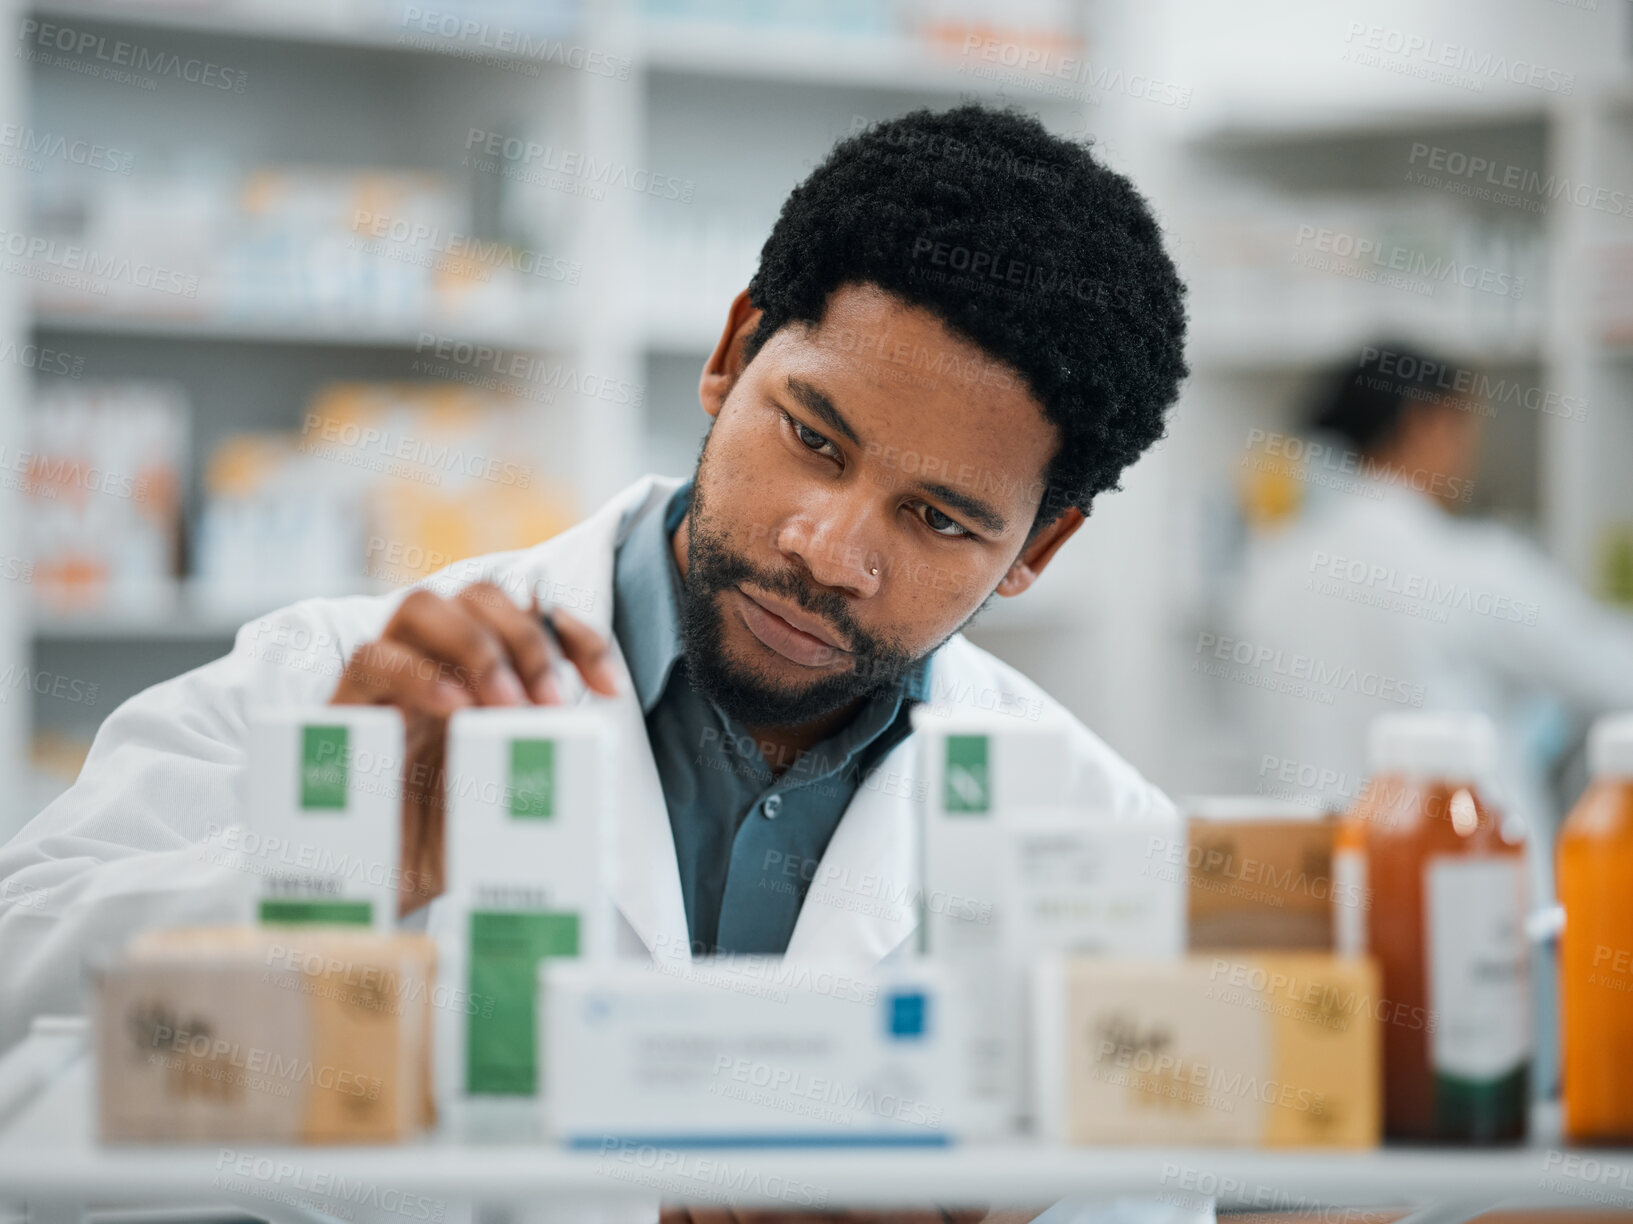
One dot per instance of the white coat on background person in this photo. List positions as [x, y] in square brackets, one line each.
[1409, 607]
[135, 843]
[1378, 597]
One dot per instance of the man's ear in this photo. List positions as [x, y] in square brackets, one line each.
[1039, 551]
[726, 363]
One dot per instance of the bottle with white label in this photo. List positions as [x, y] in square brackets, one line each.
[1445, 918]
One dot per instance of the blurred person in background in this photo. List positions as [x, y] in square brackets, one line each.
[1381, 589]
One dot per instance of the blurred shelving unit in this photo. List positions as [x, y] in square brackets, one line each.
[1296, 151]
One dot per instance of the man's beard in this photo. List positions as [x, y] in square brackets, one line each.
[745, 693]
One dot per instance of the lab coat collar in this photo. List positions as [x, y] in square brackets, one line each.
[862, 903]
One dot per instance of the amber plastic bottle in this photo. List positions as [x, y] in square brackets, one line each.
[1445, 892]
[1595, 885]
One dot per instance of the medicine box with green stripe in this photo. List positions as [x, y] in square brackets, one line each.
[1021, 854]
[320, 818]
[529, 828]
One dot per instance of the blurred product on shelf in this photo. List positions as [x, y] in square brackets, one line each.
[233, 1034]
[751, 1051]
[287, 244]
[1271, 1050]
[1020, 858]
[1612, 264]
[1616, 564]
[1341, 267]
[385, 484]
[1260, 874]
[954, 27]
[1596, 946]
[695, 265]
[276, 525]
[103, 476]
[527, 877]
[1445, 875]
[829, 16]
[323, 793]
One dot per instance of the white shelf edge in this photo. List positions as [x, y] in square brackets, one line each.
[304, 331]
[896, 62]
[185, 611]
[1244, 126]
[234, 22]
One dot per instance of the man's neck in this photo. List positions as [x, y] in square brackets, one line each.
[781, 746]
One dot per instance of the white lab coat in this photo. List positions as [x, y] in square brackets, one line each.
[1391, 597]
[124, 848]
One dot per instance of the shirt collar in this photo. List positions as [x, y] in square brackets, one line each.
[647, 611]
[646, 615]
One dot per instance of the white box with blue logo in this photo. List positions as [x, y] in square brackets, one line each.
[751, 1051]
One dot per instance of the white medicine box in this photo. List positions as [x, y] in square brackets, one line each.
[529, 803]
[754, 1051]
[1022, 855]
[324, 804]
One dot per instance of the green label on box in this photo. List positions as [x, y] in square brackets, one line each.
[965, 784]
[501, 1041]
[294, 912]
[323, 768]
[533, 778]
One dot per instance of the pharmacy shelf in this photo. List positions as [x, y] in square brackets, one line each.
[1300, 349]
[813, 57]
[696, 48]
[338, 26]
[185, 612]
[344, 331]
[48, 1154]
[1300, 122]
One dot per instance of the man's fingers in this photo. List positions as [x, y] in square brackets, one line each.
[392, 673]
[528, 645]
[588, 650]
[471, 654]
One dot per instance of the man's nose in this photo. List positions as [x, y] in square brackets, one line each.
[833, 544]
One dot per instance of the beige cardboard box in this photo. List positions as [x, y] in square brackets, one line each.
[1260, 875]
[296, 1035]
[1272, 1050]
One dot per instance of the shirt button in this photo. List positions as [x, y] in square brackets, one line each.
[772, 806]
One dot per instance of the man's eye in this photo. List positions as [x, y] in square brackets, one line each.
[808, 437]
[939, 523]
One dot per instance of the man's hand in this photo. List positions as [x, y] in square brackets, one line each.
[439, 654]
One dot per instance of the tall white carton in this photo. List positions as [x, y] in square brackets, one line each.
[324, 804]
[527, 863]
[1020, 856]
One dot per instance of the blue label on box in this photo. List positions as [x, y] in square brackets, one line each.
[909, 1014]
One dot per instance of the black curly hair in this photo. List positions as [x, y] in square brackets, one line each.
[1016, 240]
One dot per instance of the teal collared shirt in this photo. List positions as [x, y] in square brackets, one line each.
[747, 840]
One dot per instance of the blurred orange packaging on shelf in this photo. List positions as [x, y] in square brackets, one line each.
[1596, 947]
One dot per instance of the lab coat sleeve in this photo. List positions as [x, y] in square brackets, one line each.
[1540, 629]
[132, 844]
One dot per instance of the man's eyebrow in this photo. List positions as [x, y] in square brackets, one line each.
[973, 508]
[823, 407]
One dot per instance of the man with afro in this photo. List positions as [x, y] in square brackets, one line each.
[961, 331]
